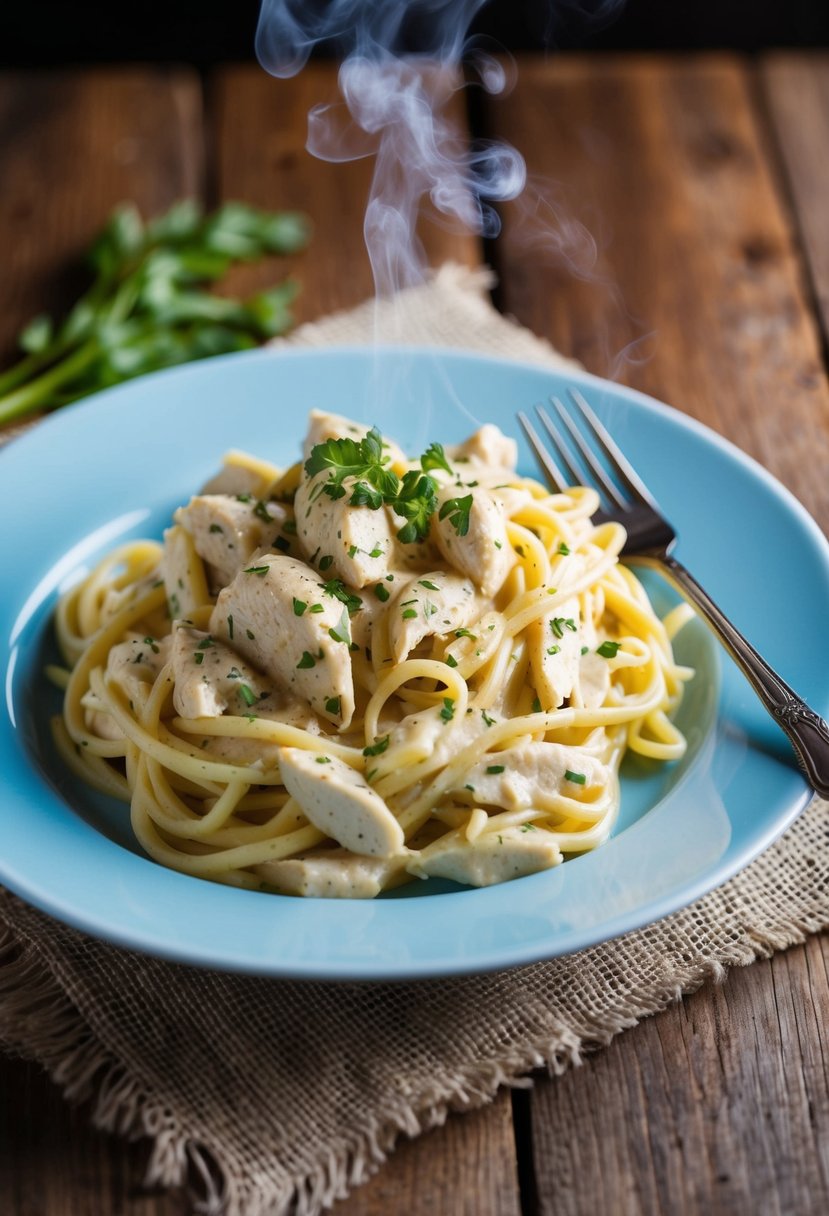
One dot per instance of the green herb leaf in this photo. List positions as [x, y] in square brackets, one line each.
[577, 778]
[332, 705]
[434, 458]
[457, 511]
[377, 747]
[300, 606]
[608, 649]
[492, 769]
[247, 694]
[306, 661]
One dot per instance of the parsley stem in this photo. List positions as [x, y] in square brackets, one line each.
[37, 392]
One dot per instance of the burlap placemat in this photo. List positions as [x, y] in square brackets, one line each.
[298, 1091]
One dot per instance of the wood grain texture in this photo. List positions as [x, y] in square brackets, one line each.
[718, 1105]
[72, 146]
[796, 89]
[52, 1163]
[258, 135]
[465, 1168]
[665, 162]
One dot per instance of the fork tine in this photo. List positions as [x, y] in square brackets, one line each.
[562, 454]
[551, 469]
[600, 474]
[623, 469]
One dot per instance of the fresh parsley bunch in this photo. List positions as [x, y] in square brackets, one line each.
[414, 497]
[148, 307]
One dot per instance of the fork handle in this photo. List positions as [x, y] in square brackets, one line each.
[808, 733]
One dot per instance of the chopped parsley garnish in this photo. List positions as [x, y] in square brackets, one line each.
[487, 720]
[457, 511]
[451, 660]
[375, 552]
[152, 644]
[529, 827]
[464, 633]
[342, 631]
[198, 658]
[608, 649]
[323, 759]
[577, 778]
[377, 747]
[234, 674]
[559, 623]
[249, 632]
[300, 606]
[216, 528]
[337, 588]
[492, 769]
[332, 705]
[409, 614]
[536, 705]
[498, 544]
[424, 582]
[416, 501]
[448, 711]
[261, 512]
[563, 550]
[585, 649]
[244, 498]
[307, 660]
[352, 458]
[205, 643]
[326, 562]
[248, 695]
[315, 608]
[353, 550]
[260, 570]
[382, 592]
[429, 609]
[434, 458]
[230, 626]
[553, 649]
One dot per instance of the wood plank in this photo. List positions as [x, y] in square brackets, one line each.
[259, 138]
[53, 1163]
[465, 1168]
[72, 146]
[664, 161]
[796, 89]
[717, 1105]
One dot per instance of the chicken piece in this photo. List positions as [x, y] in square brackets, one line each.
[134, 665]
[555, 643]
[487, 446]
[533, 775]
[483, 552]
[331, 874]
[424, 734]
[227, 531]
[340, 802]
[286, 624]
[355, 544]
[184, 577]
[211, 679]
[431, 605]
[323, 426]
[242, 473]
[490, 858]
[594, 680]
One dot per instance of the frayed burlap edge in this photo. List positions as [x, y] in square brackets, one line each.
[39, 1022]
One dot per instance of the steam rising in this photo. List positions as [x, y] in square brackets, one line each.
[394, 108]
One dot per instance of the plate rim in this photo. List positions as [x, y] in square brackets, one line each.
[648, 912]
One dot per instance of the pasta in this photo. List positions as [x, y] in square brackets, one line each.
[363, 670]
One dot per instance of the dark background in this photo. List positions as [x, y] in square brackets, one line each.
[41, 32]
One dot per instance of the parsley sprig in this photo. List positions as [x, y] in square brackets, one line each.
[147, 308]
[413, 497]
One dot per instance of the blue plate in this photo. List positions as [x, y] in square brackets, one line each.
[116, 466]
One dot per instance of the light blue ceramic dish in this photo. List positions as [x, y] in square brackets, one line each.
[115, 468]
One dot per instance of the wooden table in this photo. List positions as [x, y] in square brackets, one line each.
[705, 181]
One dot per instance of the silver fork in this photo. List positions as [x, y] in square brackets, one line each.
[650, 539]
